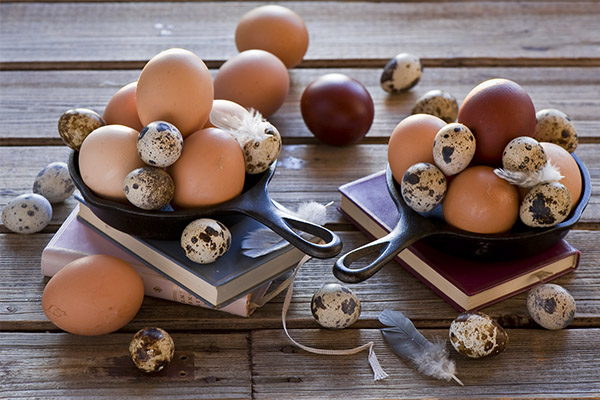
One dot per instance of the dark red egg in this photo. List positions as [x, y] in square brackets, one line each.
[337, 109]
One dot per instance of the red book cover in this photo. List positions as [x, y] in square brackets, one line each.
[466, 284]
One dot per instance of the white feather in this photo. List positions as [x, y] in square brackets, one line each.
[548, 173]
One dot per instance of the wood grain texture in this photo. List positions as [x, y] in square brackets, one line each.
[449, 33]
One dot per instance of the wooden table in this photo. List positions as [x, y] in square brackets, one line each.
[58, 55]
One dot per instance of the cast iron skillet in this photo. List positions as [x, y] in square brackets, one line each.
[412, 226]
[254, 201]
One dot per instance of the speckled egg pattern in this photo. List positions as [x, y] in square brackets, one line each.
[261, 150]
[423, 187]
[438, 103]
[334, 306]
[476, 335]
[453, 148]
[54, 182]
[551, 306]
[76, 124]
[149, 188]
[159, 144]
[27, 213]
[523, 154]
[151, 349]
[545, 205]
[401, 73]
[556, 127]
[205, 240]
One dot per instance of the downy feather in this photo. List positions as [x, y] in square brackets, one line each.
[548, 173]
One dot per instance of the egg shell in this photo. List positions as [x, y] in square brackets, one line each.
[497, 111]
[479, 201]
[401, 73]
[545, 205]
[76, 124]
[335, 306]
[54, 182]
[439, 103]
[106, 156]
[551, 306]
[275, 29]
[568, 167]
[411, 142]
[523, 154]
[476, 335]
[121, 108]
[254, 79]
[149, 188]
[27, 213]
[93, 295]
[151, 349]
[556, 127]
[423, 187]
[177, 87]
[453, 148]
[205, 240]
[159, 144]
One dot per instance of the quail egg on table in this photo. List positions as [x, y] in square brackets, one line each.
[335, 306]
[27, 213]
[151, 349]
[523, 154]
[453, 148]
[476, 335]
[159, 144]
[556, 127]
[545, 205]
[438, 103]
[205, 240]
[76, 124]
[149, 188]
[401, 73]
[54, 182]
[551, 306]
[423, 187]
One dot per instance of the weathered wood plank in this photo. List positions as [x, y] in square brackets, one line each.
[32, 101]
[536, 363]
[498, 32]
[66, 366]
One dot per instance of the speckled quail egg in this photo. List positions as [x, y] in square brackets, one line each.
[401, 73]
[523, 154]
[76, 124]
[551, 306]
[545, 205]
[151, 349]
[54, 182]
[453, 148]
[556, 127]
[439, 103]
[149, 188]
[476, 335]
[261, 145]
[27, 213]
[423, 187]
[159, 144]
[205, 240]
[335, 306]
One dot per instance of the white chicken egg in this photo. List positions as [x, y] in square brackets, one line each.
[335, 306]
[205, 240]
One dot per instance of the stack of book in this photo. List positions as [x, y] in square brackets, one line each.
[231, 284]
[466, 284]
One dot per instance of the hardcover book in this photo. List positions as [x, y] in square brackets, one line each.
[75, 239]
[228, 278]
[466, 284]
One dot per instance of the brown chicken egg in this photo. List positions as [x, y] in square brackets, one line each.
[479, 201]
[177, 87]
[254, 79]
[210, 170]
[275, 29]
[106, 156]
[568, 167]
[121, 109]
